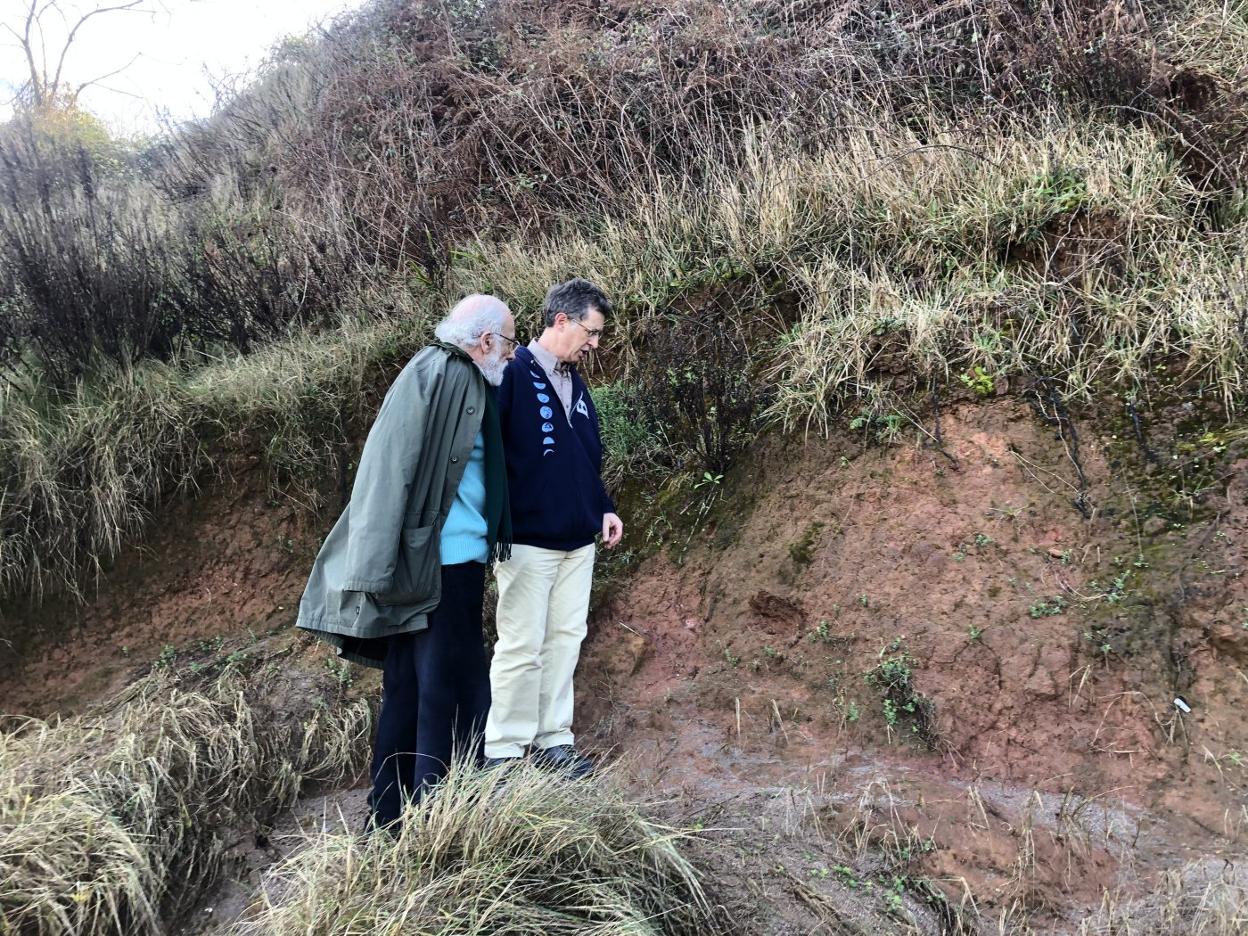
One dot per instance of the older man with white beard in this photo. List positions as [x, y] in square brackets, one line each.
[399, 582]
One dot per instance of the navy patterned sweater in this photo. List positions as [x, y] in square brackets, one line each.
[554, 462]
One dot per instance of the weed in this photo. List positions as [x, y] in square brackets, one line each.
[1048, 607]
[708, 480]
[975, 632]
[978, 380]
[883, 428]
[893, 677]
[731, 658]
[168, 653]
[341, 671]
[822, 631]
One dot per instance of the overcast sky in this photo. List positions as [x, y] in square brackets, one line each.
[181, 45]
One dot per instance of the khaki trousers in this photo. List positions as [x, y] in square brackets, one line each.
[543, 607]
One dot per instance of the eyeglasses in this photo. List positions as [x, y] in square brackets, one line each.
[514, 341]
[590, 333]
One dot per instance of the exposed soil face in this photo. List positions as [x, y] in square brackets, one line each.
[962, 640]
[876, 664]
[229, 563]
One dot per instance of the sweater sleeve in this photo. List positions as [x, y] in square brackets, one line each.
[382, 485]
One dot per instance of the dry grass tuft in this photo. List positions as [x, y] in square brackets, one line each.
[515, 851]
[1193, 900]
[115, 823]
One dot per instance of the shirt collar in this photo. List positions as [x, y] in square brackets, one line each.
[550, 364]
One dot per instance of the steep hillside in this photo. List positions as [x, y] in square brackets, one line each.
[924, 404]
[956, 688]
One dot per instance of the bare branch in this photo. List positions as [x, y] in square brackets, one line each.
[69, 41]
[116, 71]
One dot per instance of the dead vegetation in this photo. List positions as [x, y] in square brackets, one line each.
[513, 851]
[116, 822]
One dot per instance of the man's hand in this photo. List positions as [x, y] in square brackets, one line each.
[612, 530]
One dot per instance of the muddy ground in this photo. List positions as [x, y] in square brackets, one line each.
[891, 684]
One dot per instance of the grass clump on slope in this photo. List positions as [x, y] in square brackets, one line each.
[116, 823]
[515, 851]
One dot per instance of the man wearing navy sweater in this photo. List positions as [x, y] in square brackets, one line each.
[558, 507]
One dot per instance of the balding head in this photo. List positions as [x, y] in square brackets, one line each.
[483, 326]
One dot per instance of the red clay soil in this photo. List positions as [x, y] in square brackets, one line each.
[1051, 647]
[1034, 758]
[230, 563]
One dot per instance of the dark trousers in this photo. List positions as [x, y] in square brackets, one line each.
[435, 696]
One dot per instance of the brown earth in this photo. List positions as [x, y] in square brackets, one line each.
[1031, 758]
[1055, 766]
[230, 563]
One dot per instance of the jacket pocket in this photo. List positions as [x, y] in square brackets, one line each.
[417, 574]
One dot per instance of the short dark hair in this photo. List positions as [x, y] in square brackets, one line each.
[574, 299]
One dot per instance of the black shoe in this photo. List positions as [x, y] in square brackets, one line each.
[493, 763]
[564, 758]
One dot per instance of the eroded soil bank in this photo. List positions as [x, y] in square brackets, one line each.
[884, 671]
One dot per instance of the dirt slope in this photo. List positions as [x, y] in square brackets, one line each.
[893, 671]
[946, 648]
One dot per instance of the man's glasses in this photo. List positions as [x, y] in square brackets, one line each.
[513, 341]
[590, 333]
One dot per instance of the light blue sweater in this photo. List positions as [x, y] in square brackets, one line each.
[464, 533]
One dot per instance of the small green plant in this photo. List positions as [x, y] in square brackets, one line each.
[893, 677]
[974, 632]
[341, 671]
[731, 658]
[1048, 607]
[983, 540]
[892, 896]
[864, 600]
[978, 380]
[708, 479]
[852, 712]
[822, 632]
[847, 875]
[167, 655]
[770, 652]
[882, 427]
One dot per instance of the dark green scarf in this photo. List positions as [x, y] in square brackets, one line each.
[497, 504]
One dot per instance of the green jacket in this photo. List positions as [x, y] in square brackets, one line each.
[379, 570]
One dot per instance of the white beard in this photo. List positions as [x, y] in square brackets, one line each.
[493, 367]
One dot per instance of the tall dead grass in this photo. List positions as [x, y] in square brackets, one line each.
[82, 470]
[116, 823]
[915, 187]
[516, 851]
[1191, 900]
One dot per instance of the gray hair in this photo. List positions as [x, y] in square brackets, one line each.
[574, 299]
[471, 318]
